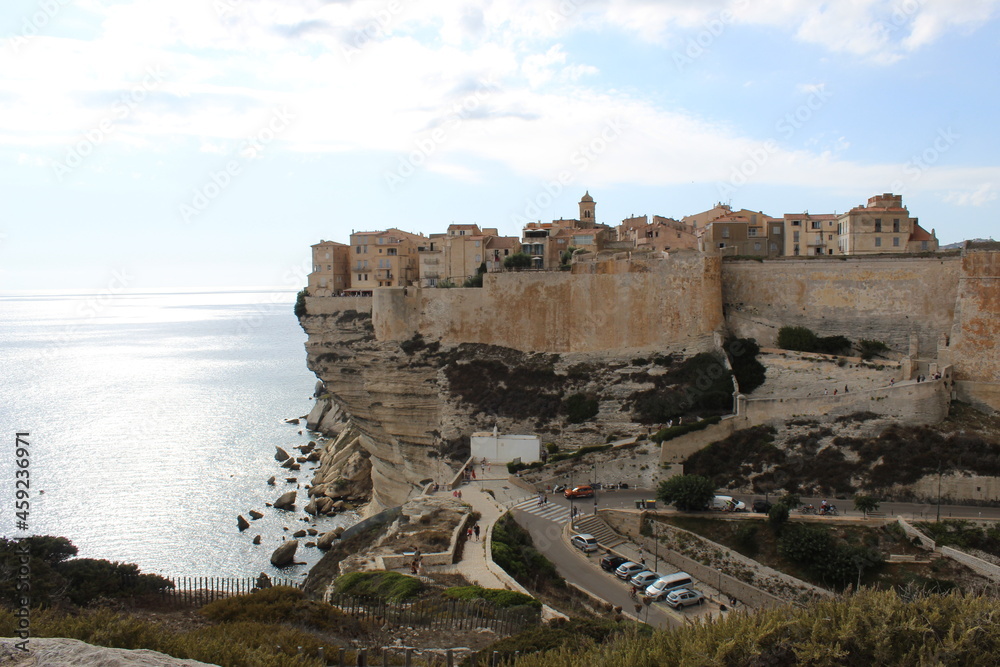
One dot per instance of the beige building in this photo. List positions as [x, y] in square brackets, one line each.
[883, 226]
[460, 252]
[546, 242]
[330, 274]
[743, 233]
[809, 234]
[383, 259]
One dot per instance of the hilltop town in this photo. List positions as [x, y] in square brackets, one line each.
[395, 258]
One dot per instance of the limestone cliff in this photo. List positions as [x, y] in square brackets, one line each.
[401, 411]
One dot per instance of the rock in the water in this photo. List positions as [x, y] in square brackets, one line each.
[284, 555]
[326, 539]
[280, 455]
[300, 459]
[294, 466]
[299, 533]
[311, 507]
[254, 514]
[256, 539]
[285, 501]
[271, 481]
[288, 462]
[338, 505]
[242, 523]
[312, 457]
[310, 544]
[313, 531]
[292, 421]
[291, 480]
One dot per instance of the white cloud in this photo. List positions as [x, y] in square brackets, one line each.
[983, 194]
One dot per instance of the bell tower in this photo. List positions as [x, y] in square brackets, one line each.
[587, 211]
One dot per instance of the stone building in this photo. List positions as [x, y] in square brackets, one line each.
[884, 225]
[811, 234]
[331, 273]
[546, 242]
[383, 259]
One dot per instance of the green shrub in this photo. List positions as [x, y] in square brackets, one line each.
[300, 303]
[390, 585]
[501, 597]
[833, 345]
[282, 602]
[518, 260]
[800, 339]
[580, 407]
[777, 516]
[672, 432]
[749, 372]
[871, 348]
[686, 492]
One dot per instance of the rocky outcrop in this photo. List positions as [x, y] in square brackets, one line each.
[59, 652]
[286, 501]
[284, 555]
[400, 413]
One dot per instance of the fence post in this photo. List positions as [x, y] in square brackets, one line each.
[496, 658]
[321, 654]
[340, 660]
[363, 657]
[385, 657]
[449, 658]
[473, 659]
[408, 658]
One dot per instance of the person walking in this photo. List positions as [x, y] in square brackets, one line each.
[475, 529]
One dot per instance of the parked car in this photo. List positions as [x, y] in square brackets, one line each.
[579, 492]
[644, 579]
[683, 597]
[727, 504]
[761, 506]
[662, 586]
[628, 569]
[584, 542]
[611, 563]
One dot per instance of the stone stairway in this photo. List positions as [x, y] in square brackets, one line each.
[597, 527]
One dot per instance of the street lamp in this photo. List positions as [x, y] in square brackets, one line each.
[595, 488]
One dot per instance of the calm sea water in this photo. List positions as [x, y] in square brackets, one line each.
[154, 419]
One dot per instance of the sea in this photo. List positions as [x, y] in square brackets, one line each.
[153, 418]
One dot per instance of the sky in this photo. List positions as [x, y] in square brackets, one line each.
[153, 144]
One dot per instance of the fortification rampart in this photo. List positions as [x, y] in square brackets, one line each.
[975, 351]
[880, 298]
[617, 307]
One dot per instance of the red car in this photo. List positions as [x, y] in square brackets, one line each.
[579, 492]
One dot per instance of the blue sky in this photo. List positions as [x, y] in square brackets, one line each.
[211, 142]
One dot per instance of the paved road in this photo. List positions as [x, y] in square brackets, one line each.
[585, 571]
[626, 498]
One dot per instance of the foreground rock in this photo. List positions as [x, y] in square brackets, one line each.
[284, 555]
[280, 455]
[242, 523]
[68, 652]
[286, 501]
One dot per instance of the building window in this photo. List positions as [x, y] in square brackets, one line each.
[358, 250]
[895, 225]
[816, 224]
[756, 246]
[752, 232]
[725, 234]
[479, 258]
[776, 230]
[829, 237]
[878, 224]
[878, 242]
[328, 267]
[831, 251]
[327, 255]
[585, 240]
[795, 236]
[774, 247]
[923, 245]
[381, 240]
[722, 245]
[895, 241]
[477, 244]
[796, 223]
[840, 228]
[359, 277]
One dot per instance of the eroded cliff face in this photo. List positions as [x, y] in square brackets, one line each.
[402, 411]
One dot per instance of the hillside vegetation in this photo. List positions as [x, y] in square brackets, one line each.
[870, 628]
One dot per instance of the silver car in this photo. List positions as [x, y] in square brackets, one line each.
[644, 579]
[628, 569]
[683, 597]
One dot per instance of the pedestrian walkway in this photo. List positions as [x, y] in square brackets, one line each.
[550, 511]
[473, 564]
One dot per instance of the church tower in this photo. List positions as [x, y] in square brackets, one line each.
[587, 211]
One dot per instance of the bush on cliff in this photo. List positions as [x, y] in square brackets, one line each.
[518, 260]
[391, 585]
[300, 303]
[688, 493]
[580, 407]
[514, 551]
[749, 372]
[701, 384]
[801, 339]
[501, 597]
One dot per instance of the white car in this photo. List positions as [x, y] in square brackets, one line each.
[683, 597]
[644, 579]
[584, 542]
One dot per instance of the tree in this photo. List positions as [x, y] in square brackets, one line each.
[778, 516]
[518, 260]
[796, 338]
[686, 492]
[865, 504]
[300, 303]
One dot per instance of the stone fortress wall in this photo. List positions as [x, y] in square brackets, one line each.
[609, 307]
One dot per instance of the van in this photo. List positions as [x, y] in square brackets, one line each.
[722, 503]
[659, 588]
